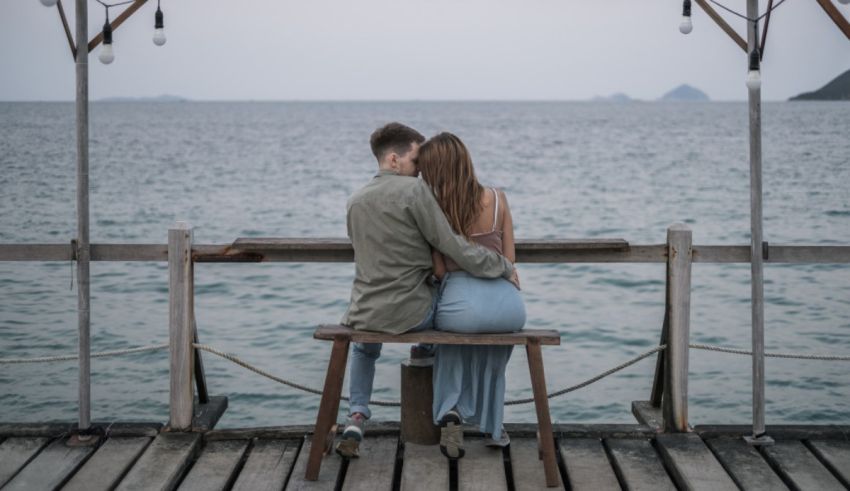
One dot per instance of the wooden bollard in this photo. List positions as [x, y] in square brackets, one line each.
[417, 396]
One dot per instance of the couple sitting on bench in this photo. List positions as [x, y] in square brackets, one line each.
[432, 253]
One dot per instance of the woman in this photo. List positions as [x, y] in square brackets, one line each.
[469, 381]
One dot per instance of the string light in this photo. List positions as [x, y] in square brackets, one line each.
[106, 55]
[754, 75]
[686, 26]
[158, 31]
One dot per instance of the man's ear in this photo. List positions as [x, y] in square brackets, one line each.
[392, 159]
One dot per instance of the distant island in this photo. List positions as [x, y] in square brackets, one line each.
[685, 92]
[159, 98]
[618, 97]
[837, 90]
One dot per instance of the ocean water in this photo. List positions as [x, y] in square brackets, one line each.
[570, 170]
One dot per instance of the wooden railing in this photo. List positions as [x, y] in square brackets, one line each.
[670, 387]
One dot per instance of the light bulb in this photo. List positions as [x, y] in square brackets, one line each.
[844, 2]
[48, 3]
[106, 55]
[754, 80]
[158, 25]
[159, 36]
[687, 26]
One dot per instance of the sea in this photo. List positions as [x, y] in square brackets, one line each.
[570, 170]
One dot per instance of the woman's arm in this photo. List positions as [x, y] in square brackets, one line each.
[508, 245]
[439, 264]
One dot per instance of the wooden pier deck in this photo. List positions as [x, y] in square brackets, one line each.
[594, 457]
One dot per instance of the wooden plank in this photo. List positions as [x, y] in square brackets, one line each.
[482, 468]
[745, 464]
[216, 467]
[339, 250]
[797, 465]
[207, 415]
[723, 24]
[526, 466]
[268, 465]
[835, 14]
[15, 453]
[327, 475]
[108, 464]
[778, 432]
[373, 470]
[835, 455]
[546, 336]
[50, 468]
[674, 405]
[638, 465]
[587, 465]
[691, 463]
[647, 414]
[163, 463]
[424, 468]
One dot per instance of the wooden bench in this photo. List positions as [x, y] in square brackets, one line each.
[342, 336]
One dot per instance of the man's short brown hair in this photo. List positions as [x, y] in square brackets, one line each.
[393, 137]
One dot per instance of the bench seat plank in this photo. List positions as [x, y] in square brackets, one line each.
[546, 336]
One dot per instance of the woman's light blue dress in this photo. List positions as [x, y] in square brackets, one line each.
[471, 379]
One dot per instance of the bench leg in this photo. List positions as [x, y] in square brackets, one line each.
[541, 404]
[329, 406]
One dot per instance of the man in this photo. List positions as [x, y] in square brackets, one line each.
[393, 222]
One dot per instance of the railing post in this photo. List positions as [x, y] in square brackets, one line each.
[180, 325]
[679, 258]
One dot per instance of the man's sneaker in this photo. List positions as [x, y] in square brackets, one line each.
[451, 435]
[349, 445]
[421, 355]
[502, 442]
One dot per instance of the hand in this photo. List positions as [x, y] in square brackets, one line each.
[515, 279]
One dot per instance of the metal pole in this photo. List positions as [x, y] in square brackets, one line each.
[756, 240]
[83, 252]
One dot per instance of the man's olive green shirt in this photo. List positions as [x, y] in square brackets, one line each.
[393, 222]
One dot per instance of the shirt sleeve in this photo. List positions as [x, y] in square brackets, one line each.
[475, 259]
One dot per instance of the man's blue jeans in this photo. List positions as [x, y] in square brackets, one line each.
[363, 358]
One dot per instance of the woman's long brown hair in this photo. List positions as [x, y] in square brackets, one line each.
[447, 168]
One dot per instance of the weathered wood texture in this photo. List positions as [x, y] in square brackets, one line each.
[216, 468]
[50, 468]
[678, 313]
[647, 414]
[779, 432]
[327, 476]
[417, 398]
[268, 466]
[691, 463]
[424, 468]
[339, 250]
[104, 470]
[541, 407]
[745, 464]
[525, 466]
[328, 407]
[181, 297]
[482, 468]
[835, 455]
[373, 470]
[207, 415]
[796, 464]
[546, 337]
[163, 463]
[637, 465]
[15, 453]
[587, 465]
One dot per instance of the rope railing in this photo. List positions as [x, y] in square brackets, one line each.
[233, 358]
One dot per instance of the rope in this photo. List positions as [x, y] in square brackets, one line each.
[592, 379]
[260, 371]
[734, 351]
[102, 354]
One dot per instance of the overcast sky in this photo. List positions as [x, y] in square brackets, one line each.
[417, 50]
